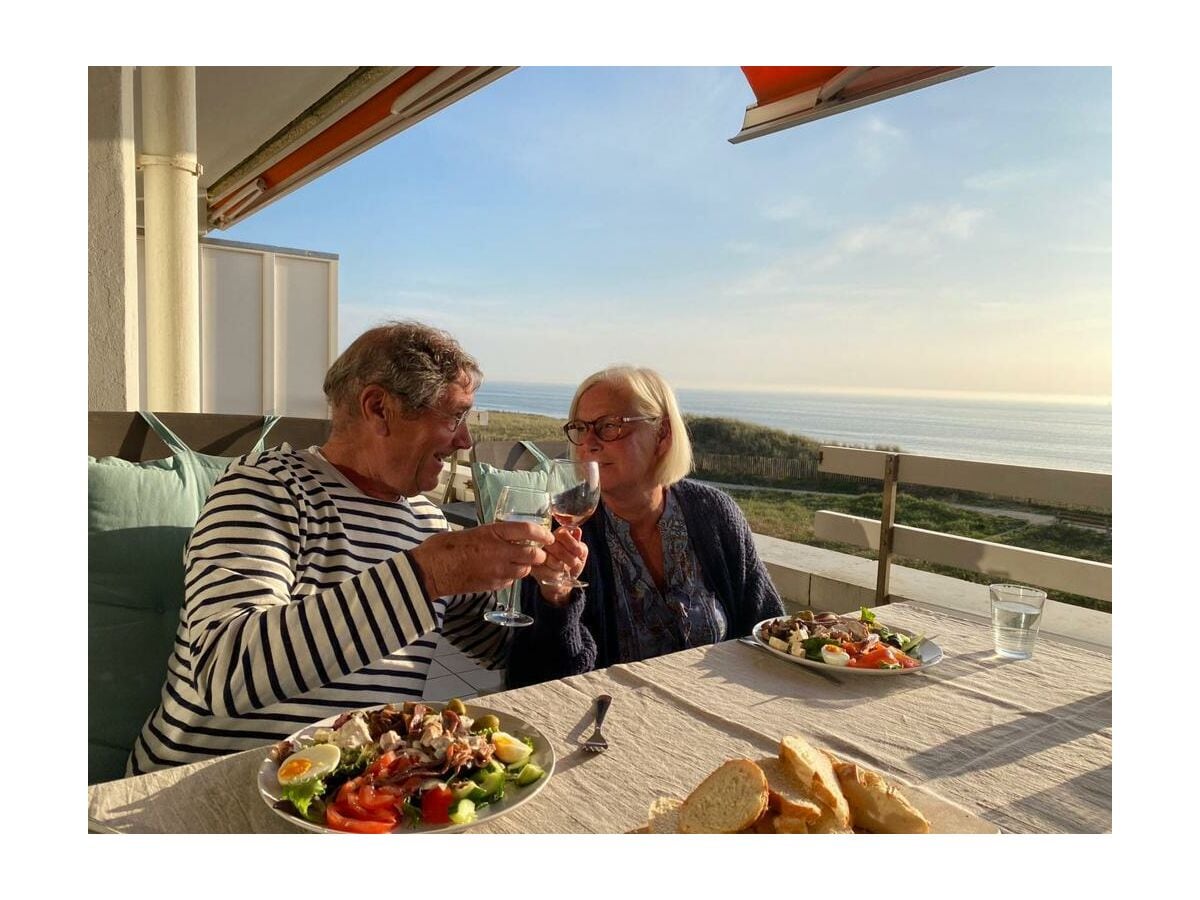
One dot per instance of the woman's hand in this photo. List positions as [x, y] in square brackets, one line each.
[566, 556]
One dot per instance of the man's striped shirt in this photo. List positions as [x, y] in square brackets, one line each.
[300, 602]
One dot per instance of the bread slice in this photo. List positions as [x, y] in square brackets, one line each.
[664, 816]
[815, 772]
[789, 825]
[728, 800]
[876, 805]
[787, 796]
[828, 823]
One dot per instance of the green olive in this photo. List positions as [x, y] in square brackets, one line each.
[456, 706]
[485, 722]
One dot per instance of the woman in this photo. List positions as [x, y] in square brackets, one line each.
[670, 563]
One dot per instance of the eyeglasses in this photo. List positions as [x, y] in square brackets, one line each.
[606, 428]
[456, 420]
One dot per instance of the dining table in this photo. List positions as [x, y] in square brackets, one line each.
[987, 744]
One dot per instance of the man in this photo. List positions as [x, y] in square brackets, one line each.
[315, 579]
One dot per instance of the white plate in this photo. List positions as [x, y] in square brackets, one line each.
[929, 653]
[543, 755]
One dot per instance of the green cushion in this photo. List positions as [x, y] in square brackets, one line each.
[139, 519]
[489, 481]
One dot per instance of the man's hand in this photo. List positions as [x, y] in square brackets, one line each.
[566, 556]
[484, 558]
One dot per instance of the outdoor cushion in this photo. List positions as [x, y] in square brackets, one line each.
[489, 480]
[139, 519]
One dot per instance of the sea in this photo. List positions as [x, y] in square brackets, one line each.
[1059, 433]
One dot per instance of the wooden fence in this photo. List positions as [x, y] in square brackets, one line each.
[1089, 490]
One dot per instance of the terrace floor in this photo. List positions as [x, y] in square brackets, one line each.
[453, 674]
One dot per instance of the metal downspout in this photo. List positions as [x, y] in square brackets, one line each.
[169, 176]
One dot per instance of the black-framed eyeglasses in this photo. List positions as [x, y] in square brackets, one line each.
[606, 428]
[456, 421]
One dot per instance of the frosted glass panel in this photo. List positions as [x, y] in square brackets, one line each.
[231, 330]
[302, 329]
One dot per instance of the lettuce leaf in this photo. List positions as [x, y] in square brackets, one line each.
[302, 796]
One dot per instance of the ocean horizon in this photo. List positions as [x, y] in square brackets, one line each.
[1053, 431]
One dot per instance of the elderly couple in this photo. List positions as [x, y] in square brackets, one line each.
[318, 579]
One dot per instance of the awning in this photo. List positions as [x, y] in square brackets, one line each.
[793, 95]
[367, 107]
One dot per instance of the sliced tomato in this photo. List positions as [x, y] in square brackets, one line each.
[375, 799]
[338, 820]
[435, 805]
[381, 764]
[905, 660]
[878, 658]
[353, 803]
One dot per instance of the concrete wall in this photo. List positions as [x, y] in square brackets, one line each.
[113, 381]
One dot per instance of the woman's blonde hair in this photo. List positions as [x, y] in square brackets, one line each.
[652, 396]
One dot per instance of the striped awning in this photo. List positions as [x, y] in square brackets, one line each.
[792, 95]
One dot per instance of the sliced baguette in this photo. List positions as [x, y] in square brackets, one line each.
[730, 799]
[876, 805]
[788, 796]
[789, 825]
[814, 770]
[664, 816]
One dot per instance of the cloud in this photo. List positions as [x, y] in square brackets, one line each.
[1007, 178]
[787, 210]
[914, 236]
[877, 141]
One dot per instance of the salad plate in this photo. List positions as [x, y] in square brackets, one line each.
[927, 653]
[543, 756]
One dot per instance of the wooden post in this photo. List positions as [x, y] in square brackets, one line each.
[891, 475]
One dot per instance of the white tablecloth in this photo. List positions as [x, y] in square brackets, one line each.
[1022, 746]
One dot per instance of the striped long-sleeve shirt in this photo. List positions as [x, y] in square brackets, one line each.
[300, 602]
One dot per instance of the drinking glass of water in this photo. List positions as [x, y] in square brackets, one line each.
[1016, 615]
[517, 505]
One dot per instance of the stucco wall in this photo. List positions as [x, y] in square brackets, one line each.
[112, 252]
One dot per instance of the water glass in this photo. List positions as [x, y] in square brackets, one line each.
[1016, 616]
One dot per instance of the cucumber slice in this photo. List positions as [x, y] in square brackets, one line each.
[489, 784]
[464, 788]
[462, 812]
[531, 773]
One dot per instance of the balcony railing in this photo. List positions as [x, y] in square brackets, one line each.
[1091, 490]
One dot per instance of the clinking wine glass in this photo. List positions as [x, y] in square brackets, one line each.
[517, 505]
[574, 487]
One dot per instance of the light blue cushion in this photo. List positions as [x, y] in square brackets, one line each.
[489, 481]
[140, 516]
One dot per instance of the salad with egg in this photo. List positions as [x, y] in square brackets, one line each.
[413, 763]
[862, 643]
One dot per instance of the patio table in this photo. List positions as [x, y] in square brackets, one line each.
[1025, 745]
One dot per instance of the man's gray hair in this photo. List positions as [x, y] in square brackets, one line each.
[413, 361]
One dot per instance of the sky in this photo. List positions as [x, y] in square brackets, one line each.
[957, 238]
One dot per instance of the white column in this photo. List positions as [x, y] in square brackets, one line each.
[169, 173]
[113, 369]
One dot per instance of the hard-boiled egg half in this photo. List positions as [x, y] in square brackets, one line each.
[834, 655]
[305, 765]
[510, 750]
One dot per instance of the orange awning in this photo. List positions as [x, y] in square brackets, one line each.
[357, 116]
[793, 95]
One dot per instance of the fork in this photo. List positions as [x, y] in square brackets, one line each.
[596, 743]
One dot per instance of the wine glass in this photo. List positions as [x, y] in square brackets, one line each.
[517, 505]
[574, 487]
